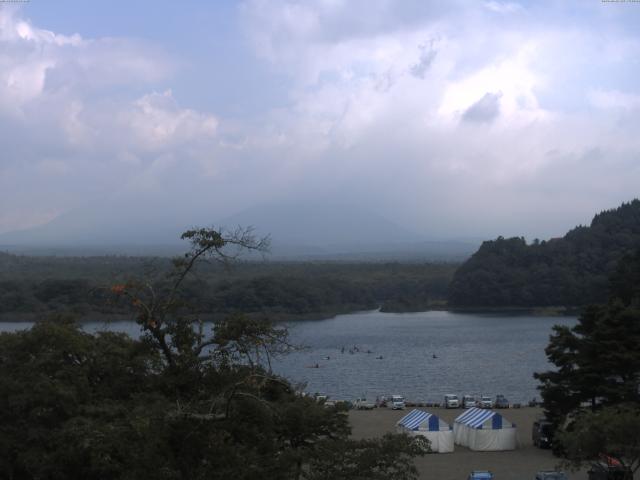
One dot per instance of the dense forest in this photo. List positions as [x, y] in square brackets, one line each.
[31, 287]
[568, 271]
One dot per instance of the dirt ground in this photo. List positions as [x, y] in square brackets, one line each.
[519, 464]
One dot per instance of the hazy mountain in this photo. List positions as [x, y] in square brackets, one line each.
[305, 231]
[322, 225]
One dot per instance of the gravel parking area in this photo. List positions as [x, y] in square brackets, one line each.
[519, 464]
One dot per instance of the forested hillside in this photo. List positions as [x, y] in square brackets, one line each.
[568, 271]
[31, 287]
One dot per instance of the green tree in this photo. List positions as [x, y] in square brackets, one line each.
[597, 360]
[369, 459]
[569, 271]
[183, 402]
[594, 391]
[608, 436]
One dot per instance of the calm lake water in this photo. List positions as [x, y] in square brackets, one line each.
[475, 353]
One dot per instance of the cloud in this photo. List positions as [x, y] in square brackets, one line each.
[503, 7]
[485, 110]
[437, 114]
[364, 104]
[156, 122]
[427, 55]
[38, 62]
[75, 127]
[613, 99]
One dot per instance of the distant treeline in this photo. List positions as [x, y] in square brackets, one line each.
[33, 286]
[569, 271]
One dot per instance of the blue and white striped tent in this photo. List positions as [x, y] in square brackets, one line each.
[426, 424]
[484, 430]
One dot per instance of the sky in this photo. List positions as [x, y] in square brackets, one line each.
[452, 119]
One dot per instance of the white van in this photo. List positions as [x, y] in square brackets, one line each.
[451, 401]
[396, 402]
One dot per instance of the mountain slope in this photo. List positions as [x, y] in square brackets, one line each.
[302, 230]
[571, 271]
[325, 225]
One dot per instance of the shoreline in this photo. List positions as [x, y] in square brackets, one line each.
[22, 317]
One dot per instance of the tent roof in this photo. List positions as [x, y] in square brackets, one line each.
[414, 419]
[475, 417]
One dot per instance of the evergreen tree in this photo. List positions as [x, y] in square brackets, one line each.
[593, 395]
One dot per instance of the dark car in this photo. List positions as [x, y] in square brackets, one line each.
[604, 471]
[550, 475]
[501, 402]
[542, 433]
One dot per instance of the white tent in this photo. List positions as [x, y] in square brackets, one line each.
[428, 425]
[484, 430]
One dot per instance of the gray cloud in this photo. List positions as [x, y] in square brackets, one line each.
[427, 55]
[485, 110]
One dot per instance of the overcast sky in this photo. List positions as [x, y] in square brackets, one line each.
[457, 118]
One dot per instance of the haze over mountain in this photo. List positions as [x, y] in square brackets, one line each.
[303, 230]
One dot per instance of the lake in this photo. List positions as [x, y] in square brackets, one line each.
[474, 353]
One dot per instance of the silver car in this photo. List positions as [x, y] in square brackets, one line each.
[486, 401]
[468, 401]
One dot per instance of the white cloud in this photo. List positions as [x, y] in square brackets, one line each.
[37, 62]
[75, 127]
[357, 101]
[503, 7]
[375, 97]
[613, 99]
[156, 121]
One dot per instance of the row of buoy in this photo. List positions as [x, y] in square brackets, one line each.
[351, 351]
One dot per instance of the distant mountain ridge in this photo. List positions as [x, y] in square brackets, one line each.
[568, 271]
[303, 231]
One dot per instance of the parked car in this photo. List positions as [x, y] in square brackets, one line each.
[542, 433]
[480, 475]
[363, 404]
[608, 471]
[501, 402]
[486, 401]
[468, 401]
[550, 475]
[451, 401]
[396, 402]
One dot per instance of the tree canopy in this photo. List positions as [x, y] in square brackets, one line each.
[568, 271]
[593, 395]
[185, 401]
